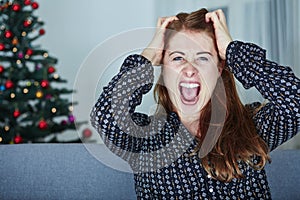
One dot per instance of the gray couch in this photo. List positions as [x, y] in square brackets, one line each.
[76, 171]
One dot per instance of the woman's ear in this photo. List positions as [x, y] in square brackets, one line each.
[221, 66]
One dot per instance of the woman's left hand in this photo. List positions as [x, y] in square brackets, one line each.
[222, 34]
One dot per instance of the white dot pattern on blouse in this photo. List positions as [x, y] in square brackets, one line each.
[175, 172]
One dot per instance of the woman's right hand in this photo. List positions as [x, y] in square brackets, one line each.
[155, 49]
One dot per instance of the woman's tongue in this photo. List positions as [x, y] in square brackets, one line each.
[189, 92]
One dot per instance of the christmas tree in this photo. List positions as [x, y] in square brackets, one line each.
[32, 106]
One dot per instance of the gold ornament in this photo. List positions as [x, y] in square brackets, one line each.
[6, 128]
[12, 95]
[15, 41]
[25, 90]
[39, 94]
[55, 76]
[53, 110]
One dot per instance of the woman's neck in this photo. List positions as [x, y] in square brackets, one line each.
[192, 126]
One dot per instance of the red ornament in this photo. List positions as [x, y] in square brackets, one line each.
[48, 96]
[35, 5]
[51, 69]
[43, 125]
[16, 113]
[26, 23]
[9, 84]
[29, 52]
[86, 133]
[1, 69]
[16, 7]
[42, 31]
[44, 83]
[8, 34]
[2, 47]
[18, 139]
[63, 122]
[27, 2]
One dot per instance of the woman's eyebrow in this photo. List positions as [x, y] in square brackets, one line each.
[179, 52]
[198, 53]
[204, 52]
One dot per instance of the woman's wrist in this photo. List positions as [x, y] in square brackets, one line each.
[151, 55]
[148, 54]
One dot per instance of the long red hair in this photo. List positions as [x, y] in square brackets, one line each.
[238, 140]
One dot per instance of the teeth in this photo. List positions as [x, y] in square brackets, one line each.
[189, 85]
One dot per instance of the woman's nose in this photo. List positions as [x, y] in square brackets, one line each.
[189, 70]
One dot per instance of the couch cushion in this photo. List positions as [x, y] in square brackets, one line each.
[59, 171]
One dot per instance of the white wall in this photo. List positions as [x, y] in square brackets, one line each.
[75, 28]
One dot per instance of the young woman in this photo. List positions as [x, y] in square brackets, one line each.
[202, 143]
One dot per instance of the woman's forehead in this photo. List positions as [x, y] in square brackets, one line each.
[191, 41]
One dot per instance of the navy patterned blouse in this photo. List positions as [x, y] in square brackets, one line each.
[161, 151]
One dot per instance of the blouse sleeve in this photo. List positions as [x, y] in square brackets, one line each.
[278, 120]
[113, 113]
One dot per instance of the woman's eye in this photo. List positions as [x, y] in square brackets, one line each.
[178, 58]
[202, 59]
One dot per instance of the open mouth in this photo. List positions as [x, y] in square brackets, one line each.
[189, 92]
